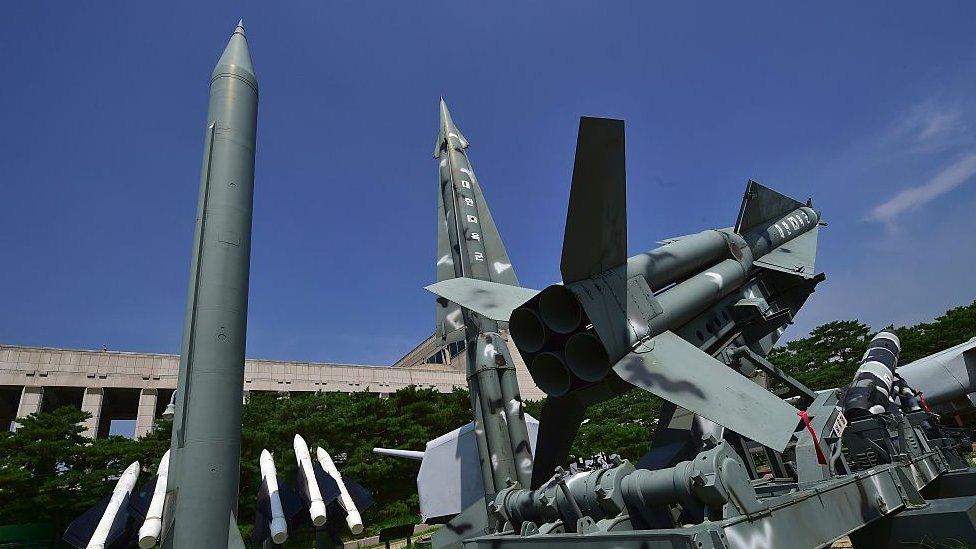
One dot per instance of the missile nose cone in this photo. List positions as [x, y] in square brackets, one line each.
[163, 468]
[301, 447]
[447, 123]
[236, 54]
[447, 131]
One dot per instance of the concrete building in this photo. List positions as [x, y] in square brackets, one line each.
[113, 385]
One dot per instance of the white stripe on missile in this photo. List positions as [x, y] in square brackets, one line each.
[151, 528]
[279, 527]
[353, 519]
[122, 488]
[316, 508]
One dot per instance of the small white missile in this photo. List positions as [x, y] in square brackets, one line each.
[353, 519]
[149, 532]
[316, 508]
[122, 489]
[279, 527]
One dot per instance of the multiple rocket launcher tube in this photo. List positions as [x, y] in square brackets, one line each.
[566, 351]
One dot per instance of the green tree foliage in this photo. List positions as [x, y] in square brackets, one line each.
[49, 472]
[830, 355]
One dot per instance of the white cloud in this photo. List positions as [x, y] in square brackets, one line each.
[912, 198]
[929, 126]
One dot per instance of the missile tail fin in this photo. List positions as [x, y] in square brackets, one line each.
[489, 299]
[595, 240]
[761, 204]
[140, 499]
[683, 374]
[797, 256]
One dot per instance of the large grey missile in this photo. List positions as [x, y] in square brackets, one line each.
[204, 469]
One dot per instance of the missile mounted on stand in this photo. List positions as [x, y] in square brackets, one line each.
[323, 500]
[691, 322]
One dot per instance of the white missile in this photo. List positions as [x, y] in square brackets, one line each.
[149, 532]
[122, 489]
[353, 519]
[316, 508]
[279, 527]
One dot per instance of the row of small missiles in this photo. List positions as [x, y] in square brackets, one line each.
[328, 499]
[322, 493]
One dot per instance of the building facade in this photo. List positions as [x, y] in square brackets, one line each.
[114, 385]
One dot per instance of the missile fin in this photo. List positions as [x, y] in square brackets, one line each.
[797, 256]
[560, 421]
[140, 499]
[80, 531]
[234, 539]
[327, 485]
[262, 515]
[679, 372]
[595, 240]
[360, 495]
[761, 204]
[490, 299]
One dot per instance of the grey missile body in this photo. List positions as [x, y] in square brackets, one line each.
[205, 447]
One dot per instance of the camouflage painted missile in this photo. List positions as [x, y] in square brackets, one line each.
[205, 460]
[469, 246]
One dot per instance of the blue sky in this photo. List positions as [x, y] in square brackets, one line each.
[868, 107]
